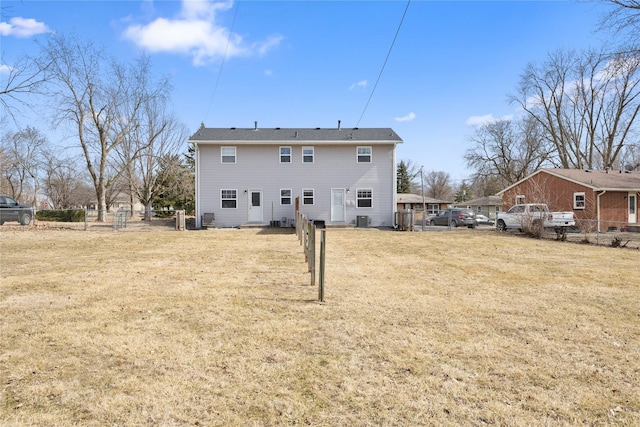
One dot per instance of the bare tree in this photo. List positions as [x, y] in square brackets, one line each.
[508, 150]
[22, 160]
[24, 77]
[624, 17]
[62, 182]
[157, 135]
[587, 103]
[438, 185]
[101, 99]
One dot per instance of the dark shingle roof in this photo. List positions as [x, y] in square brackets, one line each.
[295, 135]
[601, 179]
[417, 198]
[484, 201]
[598, 180]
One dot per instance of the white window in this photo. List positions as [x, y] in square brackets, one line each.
[364, 154]
[228, 199]
[285, 196]
[363, 198]
[228, 154]
[432, 209]
[578, 201]
[285, 154]
[519, 200]
[307, 154]
[307, 196]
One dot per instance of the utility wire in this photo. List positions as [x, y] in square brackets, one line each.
[226, 50]
[385, 62]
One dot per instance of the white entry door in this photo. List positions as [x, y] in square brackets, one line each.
[633, 208]
[255, 206]
[337, 205]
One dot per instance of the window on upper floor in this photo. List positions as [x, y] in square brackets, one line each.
[228, 199]
[228, 154]
[364, 154]
[578, 201]
[519, 200]
[285, 154]
[363, 198]
[307, 154]
[307, 196]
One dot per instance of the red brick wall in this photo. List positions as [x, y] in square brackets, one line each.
[557, 193]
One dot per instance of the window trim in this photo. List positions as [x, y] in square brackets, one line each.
[290, 196]
[280, 156]
[359, 198]
[222, 155]
[520, 199]
[313, 154]
[369, 155]
[575, 200]
[312, 197]
[223, 199]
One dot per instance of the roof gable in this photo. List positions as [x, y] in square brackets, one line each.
[295, 136]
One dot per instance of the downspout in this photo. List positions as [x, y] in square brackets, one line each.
[197, 173]
[598, 212]
[395, 187]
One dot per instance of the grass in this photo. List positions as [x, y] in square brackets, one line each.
[222, 328]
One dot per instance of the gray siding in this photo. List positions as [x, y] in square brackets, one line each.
[258, 167]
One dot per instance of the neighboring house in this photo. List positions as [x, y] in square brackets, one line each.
[600, 199]
[260, 176]
[415, 202]
[489, 206]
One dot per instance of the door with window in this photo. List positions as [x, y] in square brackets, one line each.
[337, 205]
[633, 208]
[255, 206]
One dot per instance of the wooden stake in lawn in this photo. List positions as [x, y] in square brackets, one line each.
[312, 252]
[323, 239]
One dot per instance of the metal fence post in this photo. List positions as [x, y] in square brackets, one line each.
[323, 239]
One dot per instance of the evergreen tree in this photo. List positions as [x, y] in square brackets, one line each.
[404, 181]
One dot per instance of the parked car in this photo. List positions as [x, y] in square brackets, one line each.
[484, 220]
[10, 210]
[456, 217]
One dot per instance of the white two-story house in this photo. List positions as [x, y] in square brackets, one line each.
[256, 176]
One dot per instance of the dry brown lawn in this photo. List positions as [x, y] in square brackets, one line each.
[222, 328]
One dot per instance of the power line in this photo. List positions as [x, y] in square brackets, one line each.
[226, 50]
[385, 62]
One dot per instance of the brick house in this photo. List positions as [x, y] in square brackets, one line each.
[600, 199]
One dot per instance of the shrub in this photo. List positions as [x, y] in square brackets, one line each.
[66, 215]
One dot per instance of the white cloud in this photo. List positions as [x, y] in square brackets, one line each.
[5, 69]
[409, 117]
[361, 83]
[483, 120]
[22, 27]
[195, 33]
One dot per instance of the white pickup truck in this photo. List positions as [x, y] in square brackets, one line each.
[535, 216]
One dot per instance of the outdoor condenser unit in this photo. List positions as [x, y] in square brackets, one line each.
[362, 221]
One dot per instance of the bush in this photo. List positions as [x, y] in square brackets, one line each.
[67, 215]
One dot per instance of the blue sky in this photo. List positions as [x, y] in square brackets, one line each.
[312, 63]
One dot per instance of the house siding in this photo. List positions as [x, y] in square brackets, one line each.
[258, 167]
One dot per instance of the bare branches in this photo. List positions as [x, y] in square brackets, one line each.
[508, 150]
[587, 103]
